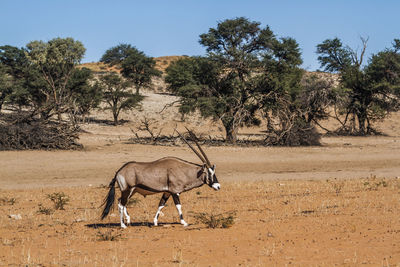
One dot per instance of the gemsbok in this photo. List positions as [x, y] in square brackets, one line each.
[170, 176]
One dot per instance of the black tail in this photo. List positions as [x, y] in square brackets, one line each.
[109, 200]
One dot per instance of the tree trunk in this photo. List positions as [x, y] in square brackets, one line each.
[115, 119]
[362, 118]
[231, 131]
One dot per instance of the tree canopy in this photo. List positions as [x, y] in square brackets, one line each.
[134, 64]
[367, 92]
[245, 63]
[117, 94]
[56, 61]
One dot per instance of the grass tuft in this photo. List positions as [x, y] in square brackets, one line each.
[44, 210]
[7, 201]
[216, 221]
[60, 199]
[108, 236]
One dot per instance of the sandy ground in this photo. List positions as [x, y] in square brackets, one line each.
[336, 204]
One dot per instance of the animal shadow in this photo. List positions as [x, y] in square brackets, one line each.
[133, 224]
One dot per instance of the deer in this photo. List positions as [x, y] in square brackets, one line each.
[170, 176]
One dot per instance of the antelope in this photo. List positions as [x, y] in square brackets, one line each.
[170, 176]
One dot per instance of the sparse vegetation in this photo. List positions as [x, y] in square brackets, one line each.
[216, 220]
[44, 210]
[60, 199]
[262, 225]
[337, 186]
[7, 201]
[374, 184]
[108, 235]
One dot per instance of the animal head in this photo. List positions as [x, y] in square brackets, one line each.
[212, 180]
[209, 170]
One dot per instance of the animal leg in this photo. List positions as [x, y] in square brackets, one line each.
[128, 218]
[179, 208]
[122, 207]
[161, 205]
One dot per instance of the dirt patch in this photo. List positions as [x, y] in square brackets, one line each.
[335, 222]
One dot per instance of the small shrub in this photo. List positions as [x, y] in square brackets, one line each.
[7, 201]
[60, 199]
[216, 221]
[337, 186]
[44, 210]
[374, 185]
[107, 236]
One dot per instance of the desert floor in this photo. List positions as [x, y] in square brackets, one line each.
[335, 204]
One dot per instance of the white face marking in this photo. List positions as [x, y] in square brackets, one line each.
[216, 186]
[212, 172]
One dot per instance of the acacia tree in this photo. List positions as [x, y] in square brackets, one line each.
[135, 65]
[247, 69]
[383, 75]
[85, 94]
[26, 82]
[221, 85]
[286, 98]
[56, 61]
[366, 93]
[117, 94]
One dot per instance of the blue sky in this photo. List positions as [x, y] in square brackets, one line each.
[172, 27]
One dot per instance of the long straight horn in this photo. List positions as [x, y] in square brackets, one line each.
[194, 150]
[193, 136]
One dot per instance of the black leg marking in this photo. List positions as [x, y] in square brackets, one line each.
[164, 199]
[162, 202]
[124, 197]
[176, 199]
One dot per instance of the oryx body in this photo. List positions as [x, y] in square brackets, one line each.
[170, 176]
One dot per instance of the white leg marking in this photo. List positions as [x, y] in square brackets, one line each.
[159, 212]
[128, 218]
[179, 208]
[121, 214]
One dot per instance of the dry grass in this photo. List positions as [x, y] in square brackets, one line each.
[277, 222]
[216, 220]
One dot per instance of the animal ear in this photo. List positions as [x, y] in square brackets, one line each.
[204, 167]
[213, 167]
